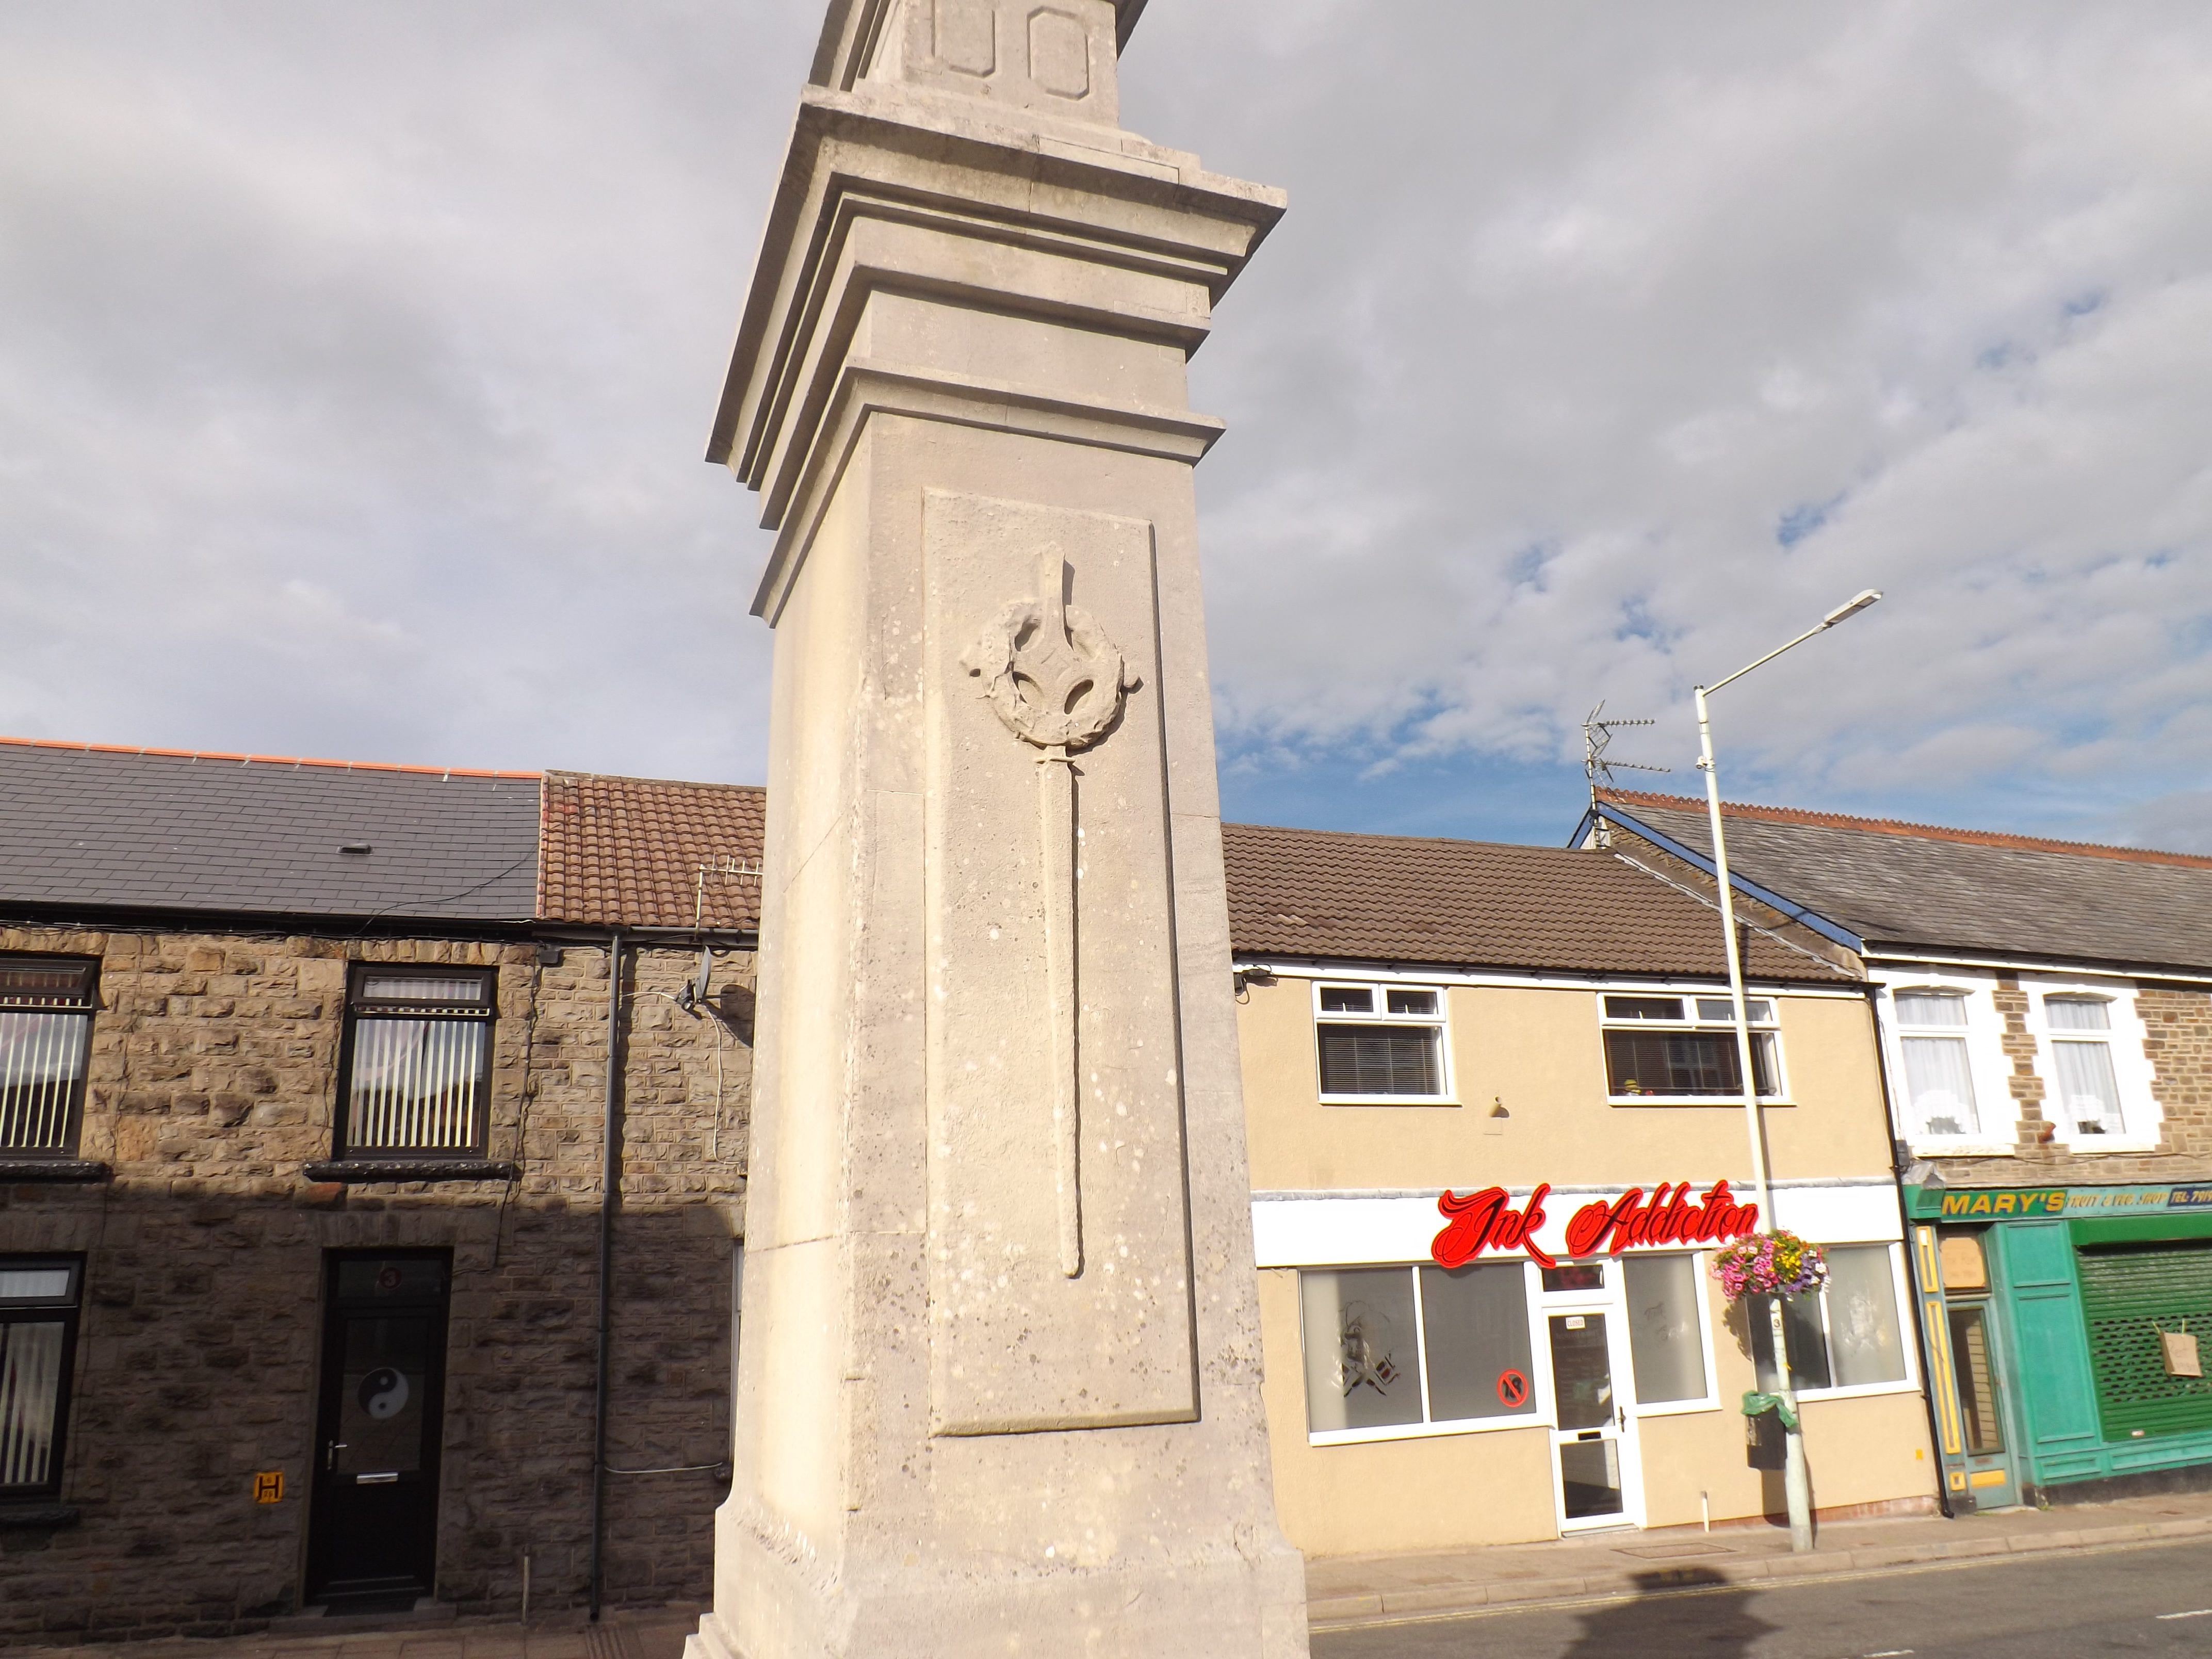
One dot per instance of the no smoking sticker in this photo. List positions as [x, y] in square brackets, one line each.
[1512, 1388]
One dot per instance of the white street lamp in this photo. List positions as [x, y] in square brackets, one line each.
[1794, 1481]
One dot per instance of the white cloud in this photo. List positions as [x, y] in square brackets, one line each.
[1606, 347]
[355, 364]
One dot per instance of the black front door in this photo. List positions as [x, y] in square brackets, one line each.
[373, 1536]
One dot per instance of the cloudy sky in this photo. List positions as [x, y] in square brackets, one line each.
[356, 360]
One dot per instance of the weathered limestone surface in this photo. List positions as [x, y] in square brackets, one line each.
[211, 1083]
[998, 1388]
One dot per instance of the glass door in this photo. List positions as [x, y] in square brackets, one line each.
[1974, 1374]
[1594, 1420]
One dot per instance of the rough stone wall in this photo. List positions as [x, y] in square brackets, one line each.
[212, 1081]
[2177, 1024]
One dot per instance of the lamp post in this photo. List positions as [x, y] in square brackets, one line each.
[1792, 1477]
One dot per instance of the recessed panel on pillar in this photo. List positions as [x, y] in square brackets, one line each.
[1059, 1236]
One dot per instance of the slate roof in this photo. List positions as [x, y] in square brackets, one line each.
[650, 853]
[1426, 901]
[1900, 886]
[163, 829]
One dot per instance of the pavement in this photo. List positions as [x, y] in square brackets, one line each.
[1352, 1592]
[2139, 1599]
[1343, 1593]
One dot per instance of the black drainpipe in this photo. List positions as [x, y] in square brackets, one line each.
[610, 1195]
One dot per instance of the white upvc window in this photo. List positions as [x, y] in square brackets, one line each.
[1848, 1337]
[1947, 1068]
[1382, 1044]
[1939, 1072]
[2096, 1076]
[1661, 1048]
[1397, 1351]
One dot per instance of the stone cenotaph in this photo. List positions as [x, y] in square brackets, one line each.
[998, 1384]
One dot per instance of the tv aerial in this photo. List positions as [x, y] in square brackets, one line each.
[1597, 737]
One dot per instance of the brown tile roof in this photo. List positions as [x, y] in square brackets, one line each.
[1903, 887]
[648, 852]
[1476, 904]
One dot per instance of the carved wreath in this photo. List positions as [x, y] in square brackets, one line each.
[1050, 671]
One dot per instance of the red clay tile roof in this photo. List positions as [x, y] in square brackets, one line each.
[648, 852]
[1312, 893]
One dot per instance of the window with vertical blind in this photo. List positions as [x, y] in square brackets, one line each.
[39, 1297]
[1381, 1042]
[415, 1074]
[46, 1032]
[1684, 1047]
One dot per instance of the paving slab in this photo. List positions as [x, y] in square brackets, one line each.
[1346, 1592]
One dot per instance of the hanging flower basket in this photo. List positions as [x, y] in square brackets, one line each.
[1766, 1263]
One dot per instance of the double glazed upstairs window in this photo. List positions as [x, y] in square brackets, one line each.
[1684, 1047]
[2087, 1095]
[1381, 1042]
[418, 1068]
[39, 1297]
[45, 1031]
[1939, 1082]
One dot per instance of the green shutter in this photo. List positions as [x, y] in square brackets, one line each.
[2128, 1297]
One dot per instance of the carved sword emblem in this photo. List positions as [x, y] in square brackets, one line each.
[1059, 682]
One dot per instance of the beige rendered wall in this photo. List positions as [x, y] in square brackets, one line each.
[1495, 1485]
[1536, 1051]
[1433, 1492]
[1864, 1449]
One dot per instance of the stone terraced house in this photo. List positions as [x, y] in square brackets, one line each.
[2046, 1017]
[310, 1295]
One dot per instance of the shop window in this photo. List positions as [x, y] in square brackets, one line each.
[2086, 1089]
[1684, 1047]
[1381, 1042]
[1409, 1348]
[1846, 1336]
[39, 1297]
[45, 1031]
[416, 1075]
[1939, 1078]
[1666, 1337]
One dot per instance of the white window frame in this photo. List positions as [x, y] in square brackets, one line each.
[1700, 1264]
[1987, 1064]
[1771, 1026]
[2141, 1117]
[1381, 990]
[1540, 1367]
[1907, 1333]
[1540, 1304]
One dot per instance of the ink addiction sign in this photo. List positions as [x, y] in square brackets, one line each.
[1674, 1213]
